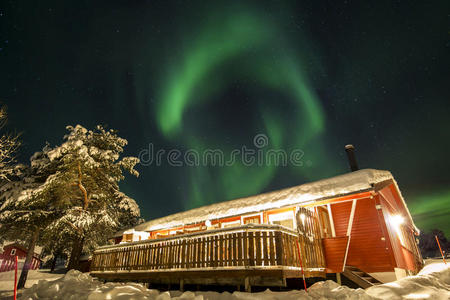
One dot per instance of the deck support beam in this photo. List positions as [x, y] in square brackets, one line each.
[182, 285]
[248, 287]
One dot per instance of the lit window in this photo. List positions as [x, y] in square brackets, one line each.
[252, 220]
[231, 224]
[285, 219]
[397, 223]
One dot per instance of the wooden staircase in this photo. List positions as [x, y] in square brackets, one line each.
[359, 277]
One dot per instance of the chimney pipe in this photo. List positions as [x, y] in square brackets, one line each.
[350, 149]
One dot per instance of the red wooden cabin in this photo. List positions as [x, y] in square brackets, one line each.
[356, 224]
[11, 250]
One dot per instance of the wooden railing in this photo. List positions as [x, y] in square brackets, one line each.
[235, 247]
[310, 237]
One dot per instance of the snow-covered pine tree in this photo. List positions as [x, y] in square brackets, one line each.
[25, 208]
[9, 143]
[87, 183]
[60, 237]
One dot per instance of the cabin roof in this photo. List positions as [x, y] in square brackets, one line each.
[353, 182]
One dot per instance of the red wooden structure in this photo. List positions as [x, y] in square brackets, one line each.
[12, 250]
[357, 224]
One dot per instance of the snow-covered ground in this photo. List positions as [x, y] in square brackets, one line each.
[433, 282]
[7, 278]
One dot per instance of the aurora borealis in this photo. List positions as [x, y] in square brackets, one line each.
[202, 75]
[212, 75]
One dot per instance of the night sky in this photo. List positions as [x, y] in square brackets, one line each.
[199, 75]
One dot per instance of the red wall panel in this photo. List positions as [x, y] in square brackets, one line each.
[404, 258]
[369, 249]
[334, 249]
[341, 214]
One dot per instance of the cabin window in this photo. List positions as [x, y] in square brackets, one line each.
[161, 235]
[128, 237]
[252, 220]
[231, 224]
[289, 223]
[401, 237]
[193, 229]
[285, 219]
[406, 237]
[13, 251]
[176, 232]
[324, 219]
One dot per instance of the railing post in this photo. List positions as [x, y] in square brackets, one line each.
[251, 249]
[279, 248]
[245, 252]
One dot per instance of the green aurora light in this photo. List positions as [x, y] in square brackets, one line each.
[246, 42]
[213, 74]
[427, 210]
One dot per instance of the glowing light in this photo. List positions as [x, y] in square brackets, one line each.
[303, 217]
[208, 223]
[397, 220]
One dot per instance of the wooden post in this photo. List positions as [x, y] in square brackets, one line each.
[338, 278]
[251, 249]
[279, 248]
[248, 287]
[182, 285]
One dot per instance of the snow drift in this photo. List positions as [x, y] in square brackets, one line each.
[433, 282]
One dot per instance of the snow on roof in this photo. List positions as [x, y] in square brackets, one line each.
[309, 192]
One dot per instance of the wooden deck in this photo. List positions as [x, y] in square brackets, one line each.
[260, 254]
